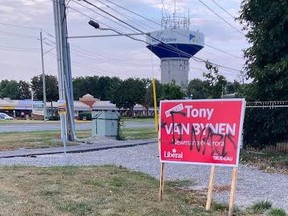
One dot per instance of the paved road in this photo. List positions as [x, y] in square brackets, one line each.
[24, 127]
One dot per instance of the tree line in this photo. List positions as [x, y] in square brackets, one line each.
[124, 93]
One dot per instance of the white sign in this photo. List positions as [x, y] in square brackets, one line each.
[178, 36]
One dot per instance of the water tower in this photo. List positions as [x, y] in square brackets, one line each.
[175, 44]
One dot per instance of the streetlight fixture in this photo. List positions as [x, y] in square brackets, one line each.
[97, 26]
[94, 24]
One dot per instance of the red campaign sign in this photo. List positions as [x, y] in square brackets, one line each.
[201, 131]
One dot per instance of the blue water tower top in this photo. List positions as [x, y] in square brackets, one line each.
[175, 40]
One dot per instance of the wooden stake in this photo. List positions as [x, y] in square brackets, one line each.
[210, 187]
[161, 189]
[233, 191]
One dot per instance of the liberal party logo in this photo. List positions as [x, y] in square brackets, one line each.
[173, 154]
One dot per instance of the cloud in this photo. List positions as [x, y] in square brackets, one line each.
[23, 10]
[115, 56]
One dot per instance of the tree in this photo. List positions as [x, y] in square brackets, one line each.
[267, 65]
[24, 88]
[170, 91]
[52, 92]
[114, 85]
[215, 83]
[197, 89]
[9, 89]
[79, 87]
[148, 100]
[100, 87]
[232, 87]
[267, 58]
[86, 85]
[129, 93]
[106, 87]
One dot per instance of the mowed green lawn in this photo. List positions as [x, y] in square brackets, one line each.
[44, 139]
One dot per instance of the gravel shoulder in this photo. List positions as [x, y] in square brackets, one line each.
[252, 184]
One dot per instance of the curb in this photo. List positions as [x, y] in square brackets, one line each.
[71, 149]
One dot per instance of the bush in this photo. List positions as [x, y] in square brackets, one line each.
[54, 118]
[85, 116]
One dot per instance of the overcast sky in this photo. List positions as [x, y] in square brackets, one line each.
[21, 21]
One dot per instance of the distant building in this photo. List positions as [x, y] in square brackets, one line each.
[28, 109]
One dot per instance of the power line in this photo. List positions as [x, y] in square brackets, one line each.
[27, 27]
[221, 17]
[12, 34]
[20, 26]
[215, 48]
[97, 14]
[116, 11]
[224, 9]
[222, 51]
[160, 25]
[105, 59]
[217, 65]
[110, 28]
[170, 47]
[113, 16]
[205, 70]
[18, 49]
[126, 9]
[175, 49]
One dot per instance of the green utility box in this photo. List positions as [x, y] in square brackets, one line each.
[105, 123]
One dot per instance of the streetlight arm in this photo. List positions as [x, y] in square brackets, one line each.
[97, 26]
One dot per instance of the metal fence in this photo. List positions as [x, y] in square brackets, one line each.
[281, 146]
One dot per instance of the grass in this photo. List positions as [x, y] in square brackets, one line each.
[266, 161]
[104, 190]
[276, 212]
[128, 119]
[94, 190]
[36, 139]
[261, 206]
[139, 133]
[45, 139]
[28, 121]
[180, 183]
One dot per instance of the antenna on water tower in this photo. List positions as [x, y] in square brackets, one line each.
[175, 44]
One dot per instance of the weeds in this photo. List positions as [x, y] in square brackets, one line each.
[261, 206]
[277, 212]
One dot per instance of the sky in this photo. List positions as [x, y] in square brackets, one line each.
[22, 20]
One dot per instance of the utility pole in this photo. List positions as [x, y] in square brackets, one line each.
[64, 71]
[43, 78]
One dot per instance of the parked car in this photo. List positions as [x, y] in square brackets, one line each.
[4, 116]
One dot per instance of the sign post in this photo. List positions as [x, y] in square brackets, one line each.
[233, 191]
[161, 189]
[210, 187]
[206, 132]
[62, 110]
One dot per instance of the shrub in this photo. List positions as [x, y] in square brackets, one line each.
[85, 116]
